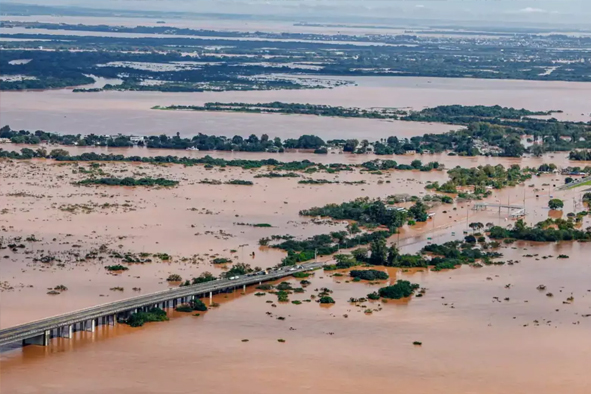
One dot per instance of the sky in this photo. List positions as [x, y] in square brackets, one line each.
[564, 12]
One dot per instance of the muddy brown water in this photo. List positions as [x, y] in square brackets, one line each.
[472, 342]
[129, 112]
[480, 345]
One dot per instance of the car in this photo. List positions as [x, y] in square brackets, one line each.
[233, 277]
[292, 269]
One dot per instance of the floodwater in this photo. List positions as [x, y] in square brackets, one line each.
[559, 158]
[471, 341]
[522, 342]
[76, 33]
[130, 112]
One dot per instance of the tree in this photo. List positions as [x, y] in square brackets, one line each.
[538, 150]
[555, 204]
[353, 228]
[350, 145]
[393, 254]
[360, 255]
[55, 153]
[419, 212]
[476, 226]
[379, 252]
[470, 239]
[401, 289]
[416, 164]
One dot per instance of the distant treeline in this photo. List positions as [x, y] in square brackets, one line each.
[209, 162]
[495, 131]
[457, 114]
[289, 109]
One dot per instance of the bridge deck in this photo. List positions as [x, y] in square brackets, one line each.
[32, 329]
[492, 205]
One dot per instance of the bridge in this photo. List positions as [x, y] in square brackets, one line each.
[480, 206]
[516, 210]
[574, 184]
[41, 331]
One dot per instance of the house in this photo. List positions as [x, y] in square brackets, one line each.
[135, 139]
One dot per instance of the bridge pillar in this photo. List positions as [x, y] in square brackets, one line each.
[40, 340]
[89, 325]
[244, 288]
[210, 298]
[66, 331]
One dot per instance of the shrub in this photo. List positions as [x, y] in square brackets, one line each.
[401, 289]
[373, 296]
[117, 267]
[198, 305]
[183, 308]
[369, 274]
[153, 315]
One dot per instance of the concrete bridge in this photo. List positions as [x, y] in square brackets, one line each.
[41, 331]
[480, 206]
[516, 211]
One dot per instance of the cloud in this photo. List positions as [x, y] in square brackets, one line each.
[531, 10]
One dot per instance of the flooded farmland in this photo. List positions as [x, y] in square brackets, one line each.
[527, 333]
[520, 324]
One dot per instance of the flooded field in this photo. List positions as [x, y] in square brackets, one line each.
[485, 330]
[528, 334]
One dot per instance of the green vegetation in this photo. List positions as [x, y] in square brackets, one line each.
[482, 177]
[221, 260]
[316, 182]
[62, 155]
[198, 305]
[370, 275]
[174, 278]
[128, 182]
[547, 231]
[494, 130]
[324, 244]
[371, 213]
[384, 165]
[278, 175]
[402, 289]
[153, 315]
[239, 182]
[117, 267]
[290, 108]
[555, 204]
[238, 270]
[183, 308]
[580, 155]
[326, 300]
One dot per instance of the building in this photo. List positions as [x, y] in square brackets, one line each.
[135, 139]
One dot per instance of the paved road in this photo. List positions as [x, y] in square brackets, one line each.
[32, 329]
[574, 183]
